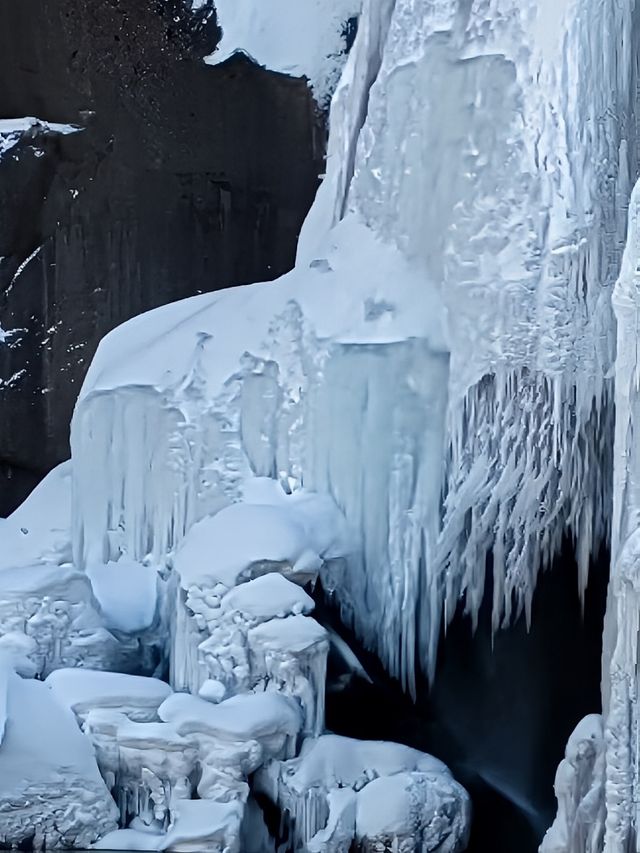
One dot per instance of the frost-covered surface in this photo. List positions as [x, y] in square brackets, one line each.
[378, 795]
[51, 792]
[303, 39]
[14, 130]
[434, 376]
[253, 638]
[579, 788]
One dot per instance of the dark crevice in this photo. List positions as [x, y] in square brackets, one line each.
[499, 714]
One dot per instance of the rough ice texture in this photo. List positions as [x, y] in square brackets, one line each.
[579, 788]
[374, 795]
[302, 39]
[51, 792]
[620, 648]
[442, 369]
[53, 608]
[240, 655]
[83, 690]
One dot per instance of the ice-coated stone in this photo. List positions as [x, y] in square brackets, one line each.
[54, 608]
[341, 795]
[83, 690]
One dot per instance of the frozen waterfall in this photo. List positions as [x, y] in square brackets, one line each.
[431, 386]
[440, 360]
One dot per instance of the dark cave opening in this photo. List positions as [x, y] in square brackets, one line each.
[500, 710]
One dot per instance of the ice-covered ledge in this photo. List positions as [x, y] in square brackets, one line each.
[331, 378]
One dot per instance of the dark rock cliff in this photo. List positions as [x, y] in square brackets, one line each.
[185, 178]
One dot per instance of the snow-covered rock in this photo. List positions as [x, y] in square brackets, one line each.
[40, 529]
[54, 609]
[376, 795]
[147, 766]
[439, 361]
[83, 690]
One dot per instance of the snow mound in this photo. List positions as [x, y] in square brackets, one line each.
[221, 548]
[380, 795]
[83, 690]
[40, 529]
[13, 130]
[204, 825]
[266, 597]
[252, 716]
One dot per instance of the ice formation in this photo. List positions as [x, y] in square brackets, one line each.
[431, 384]
[339, 792]
[579, 787]
[441, 370]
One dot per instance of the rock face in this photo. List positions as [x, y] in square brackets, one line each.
[184, 178]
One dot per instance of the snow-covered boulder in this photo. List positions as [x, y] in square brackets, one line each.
[341, 794]
[147, 766]
[83, 690]
[580, 790]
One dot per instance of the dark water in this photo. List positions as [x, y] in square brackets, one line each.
[498, 715]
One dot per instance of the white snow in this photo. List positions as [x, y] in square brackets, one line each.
[129, 839]
[204, 825]
[292, 37]
[39, 530]
[53, 610]
[253, 716]
[12, 130]
[267, 596]
[212, 691]
[83, 690]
